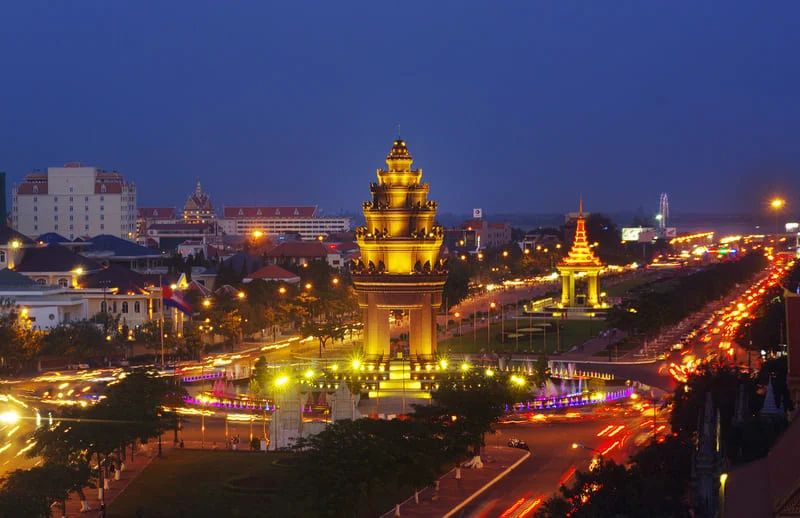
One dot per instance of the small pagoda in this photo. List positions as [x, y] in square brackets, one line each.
[578, 262]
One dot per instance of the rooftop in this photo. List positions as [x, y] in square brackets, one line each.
[54, 258]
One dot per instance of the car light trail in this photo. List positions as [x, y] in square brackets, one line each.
[531, 507]
[508, 512]
[605, 430]
[613, 445]
[617, 430]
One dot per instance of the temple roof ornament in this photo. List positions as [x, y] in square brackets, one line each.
[581, 252]
[399, 159]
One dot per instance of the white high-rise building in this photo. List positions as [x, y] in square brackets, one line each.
[74, 201]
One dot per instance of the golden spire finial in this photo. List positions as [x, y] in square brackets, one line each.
[580, 205]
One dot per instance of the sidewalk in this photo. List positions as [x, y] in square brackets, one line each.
[132, 469]
[453, 493]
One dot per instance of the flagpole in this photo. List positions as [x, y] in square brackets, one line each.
[161, 284]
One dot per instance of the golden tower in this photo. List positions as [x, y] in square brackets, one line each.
[580, 259]
[400, 268]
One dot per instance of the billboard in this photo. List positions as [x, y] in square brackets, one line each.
[477, 213]
[638, 234]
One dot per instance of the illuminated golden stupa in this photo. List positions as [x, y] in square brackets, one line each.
[580, 259]
[400, 268]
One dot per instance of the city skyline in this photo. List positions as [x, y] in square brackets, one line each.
[507, 110]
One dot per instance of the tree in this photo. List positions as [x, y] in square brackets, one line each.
[654, 484]
[31, 492]
[469, 407]
[324, 332]
[19, 342]
[76, 340]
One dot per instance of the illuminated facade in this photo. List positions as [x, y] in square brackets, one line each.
[400, 268]
[580, 261]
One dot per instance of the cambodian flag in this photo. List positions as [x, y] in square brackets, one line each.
[175, 299]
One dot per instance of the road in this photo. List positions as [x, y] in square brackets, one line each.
[554, 460]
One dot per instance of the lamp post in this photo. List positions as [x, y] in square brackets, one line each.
[458, 316]
[777, 204]
[492, 305]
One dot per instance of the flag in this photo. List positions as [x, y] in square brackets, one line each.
[175, 298]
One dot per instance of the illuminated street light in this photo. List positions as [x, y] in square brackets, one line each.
[281, 380]
[282, 290]
[241, 295]
[9, 417]
[443, 363]
[206, 303]
[489, 373]
[309, 374]
[505, 253]
[335, 281]
[308, 286]
[257, 234]
[777, 203]
[517, 380]
[356, 364]
[465, 366]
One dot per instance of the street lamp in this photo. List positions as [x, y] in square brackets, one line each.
[282, 290]
[576, 445]
[492, 305]
[308, 286]
[206, 303]
[777, 204]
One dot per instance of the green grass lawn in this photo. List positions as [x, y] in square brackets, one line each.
[573, 332]
[194, 483]
[189, 483]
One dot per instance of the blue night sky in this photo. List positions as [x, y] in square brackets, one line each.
[510, 106]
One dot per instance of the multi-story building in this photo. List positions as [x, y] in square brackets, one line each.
[275, 221]
[154, 215]
[487, 235]
[74, 201]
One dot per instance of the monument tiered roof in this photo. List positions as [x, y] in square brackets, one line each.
[581, 253]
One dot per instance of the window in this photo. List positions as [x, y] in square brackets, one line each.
[86, 227]
[137, 307]
[70, 208]
[70, 190]
[2, 256]
[70, 198]
[36, 227]
[102, 227]
[55, 209]
[114, 306]
[103, 188]
[35, 208]
[125, 307]
[64, 283]
[102, 207]
[41, 282]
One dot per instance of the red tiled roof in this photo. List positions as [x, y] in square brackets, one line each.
[179, 226]
[275, 273]
[157, 212]
[268, 211]
[299, 249]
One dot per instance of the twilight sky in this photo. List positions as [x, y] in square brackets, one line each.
[510, 106]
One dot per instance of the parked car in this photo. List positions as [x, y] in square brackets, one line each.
[516, 443]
